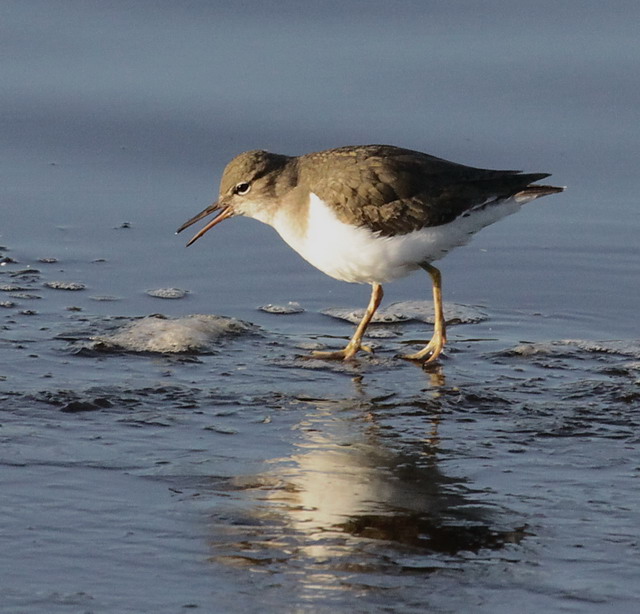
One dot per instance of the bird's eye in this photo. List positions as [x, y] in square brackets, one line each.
[242, 188]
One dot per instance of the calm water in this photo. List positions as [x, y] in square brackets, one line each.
[241, 477]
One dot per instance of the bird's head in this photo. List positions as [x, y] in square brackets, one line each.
[248, 187]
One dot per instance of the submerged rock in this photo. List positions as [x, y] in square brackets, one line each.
[567, 346]
[406, 311]
[104, 298]
[382, 316]
[172, 335]
[167, 293]
[65, 285]
[290, 308]
[25, 296]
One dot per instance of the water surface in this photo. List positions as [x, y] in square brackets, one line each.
[240, 476]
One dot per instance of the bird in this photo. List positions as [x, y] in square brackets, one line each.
[371, 214]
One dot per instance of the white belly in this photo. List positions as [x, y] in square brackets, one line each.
[356, 254]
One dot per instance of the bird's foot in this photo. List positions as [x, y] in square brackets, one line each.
[430, 353]
[345, 354]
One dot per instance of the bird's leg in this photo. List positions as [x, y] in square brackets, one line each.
[355, 343]
[434, 347]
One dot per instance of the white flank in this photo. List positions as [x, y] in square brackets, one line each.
[356, 254]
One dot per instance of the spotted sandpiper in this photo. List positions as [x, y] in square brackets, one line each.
[371, 214]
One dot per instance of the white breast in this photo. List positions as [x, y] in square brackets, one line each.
[356, 254]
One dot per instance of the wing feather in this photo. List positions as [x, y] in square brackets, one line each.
[396, 191]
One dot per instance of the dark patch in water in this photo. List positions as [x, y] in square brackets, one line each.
[25, 273]
[431, 534]
[74, 407]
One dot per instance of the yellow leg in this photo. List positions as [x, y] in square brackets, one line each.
[355, 342]
[434, 347]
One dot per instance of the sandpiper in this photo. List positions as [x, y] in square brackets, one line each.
[371, 214]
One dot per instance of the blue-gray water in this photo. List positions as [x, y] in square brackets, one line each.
[241, 477]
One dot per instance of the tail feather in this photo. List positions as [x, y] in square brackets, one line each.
[535, 191]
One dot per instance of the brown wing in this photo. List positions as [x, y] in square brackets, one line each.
[395, 191]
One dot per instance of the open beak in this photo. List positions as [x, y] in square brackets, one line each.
[225, 212]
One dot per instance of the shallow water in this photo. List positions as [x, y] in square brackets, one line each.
[239, 475]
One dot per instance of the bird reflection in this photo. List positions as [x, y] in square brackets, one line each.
[364, 489]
